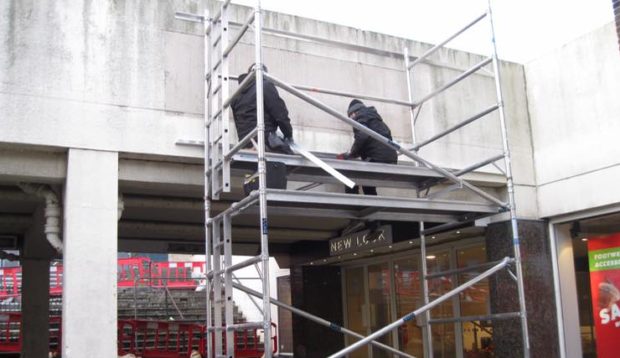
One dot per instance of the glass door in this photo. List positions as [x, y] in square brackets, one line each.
[379, 305]
[369, 306]
[408, 296]
[474, 301]
[357, 317]
[444, 340]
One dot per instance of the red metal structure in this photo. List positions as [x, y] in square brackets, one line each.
[175, 274]
[143, 338]
[138, 271]
[11, 333]
[149, 339]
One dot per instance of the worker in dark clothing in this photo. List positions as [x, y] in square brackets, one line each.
[276, 114]
[366, 147]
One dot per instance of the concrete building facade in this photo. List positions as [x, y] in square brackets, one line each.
[95, 97]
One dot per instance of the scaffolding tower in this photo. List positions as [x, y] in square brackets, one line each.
[220, 155]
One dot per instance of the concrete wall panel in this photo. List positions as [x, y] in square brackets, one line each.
[126, 76]
[572, 94]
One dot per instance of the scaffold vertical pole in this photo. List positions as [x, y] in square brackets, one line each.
[224, 93]
[214, 121]
[217, 287]
[510, 190]
[228, 286]
[410, 94]
[262, 177]
[427, 329]
[426, 297]
[226, 241]
[207, 169]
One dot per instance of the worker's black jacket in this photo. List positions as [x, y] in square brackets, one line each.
[244, 110]
[369, 148]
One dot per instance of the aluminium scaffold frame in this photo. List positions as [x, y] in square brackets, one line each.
[218, 155]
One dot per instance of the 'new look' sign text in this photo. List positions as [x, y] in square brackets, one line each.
[360, 240]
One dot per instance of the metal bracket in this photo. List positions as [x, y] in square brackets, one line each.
[185, 16]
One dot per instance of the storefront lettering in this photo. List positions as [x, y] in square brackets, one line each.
[610, 314]
[340, 245]
[361, 240]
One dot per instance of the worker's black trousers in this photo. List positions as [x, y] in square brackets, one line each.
[368, 190]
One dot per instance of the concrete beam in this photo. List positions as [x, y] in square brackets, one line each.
[14, 224]
[196, 247]
[192, 232]
[32, 166]
[160, 172]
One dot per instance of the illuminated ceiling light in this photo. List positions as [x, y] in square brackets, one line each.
[390, 246]
[355, 254]
[411, 242]
[458, 232]
[430, 257]
[434, 237]
[324, 260]
[371, 250]
[312, 263]
[584, 239]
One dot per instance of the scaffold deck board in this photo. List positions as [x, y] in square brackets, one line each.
[336, 200]
[350, 206]
[403, 175]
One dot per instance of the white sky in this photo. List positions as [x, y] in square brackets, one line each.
[525, 29]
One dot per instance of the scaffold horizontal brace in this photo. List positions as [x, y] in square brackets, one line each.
[491, 317]
[188, 17]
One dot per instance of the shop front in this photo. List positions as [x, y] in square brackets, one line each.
[380, 290]
[368, 282]
[587, 279]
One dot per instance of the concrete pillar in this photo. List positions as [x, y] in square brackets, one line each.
[36, 255]
[538, 285]
[90, 251]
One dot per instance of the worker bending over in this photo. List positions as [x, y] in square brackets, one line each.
[366, 147]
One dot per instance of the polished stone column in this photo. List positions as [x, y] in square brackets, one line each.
[317, 290]
[539, 290]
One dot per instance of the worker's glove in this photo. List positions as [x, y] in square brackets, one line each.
[289, 141]
[343, 156]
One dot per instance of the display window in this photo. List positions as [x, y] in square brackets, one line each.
[379, 291]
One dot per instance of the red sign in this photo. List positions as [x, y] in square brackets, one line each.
[604, 262]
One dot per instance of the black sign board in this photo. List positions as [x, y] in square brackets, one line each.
[360, 240]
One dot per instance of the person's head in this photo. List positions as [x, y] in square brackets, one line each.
[253, 66]
[242, 76]
[354, 107]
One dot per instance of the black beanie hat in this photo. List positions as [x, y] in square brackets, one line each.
[355, 106]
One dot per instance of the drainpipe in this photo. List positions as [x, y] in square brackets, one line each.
[52, 212]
